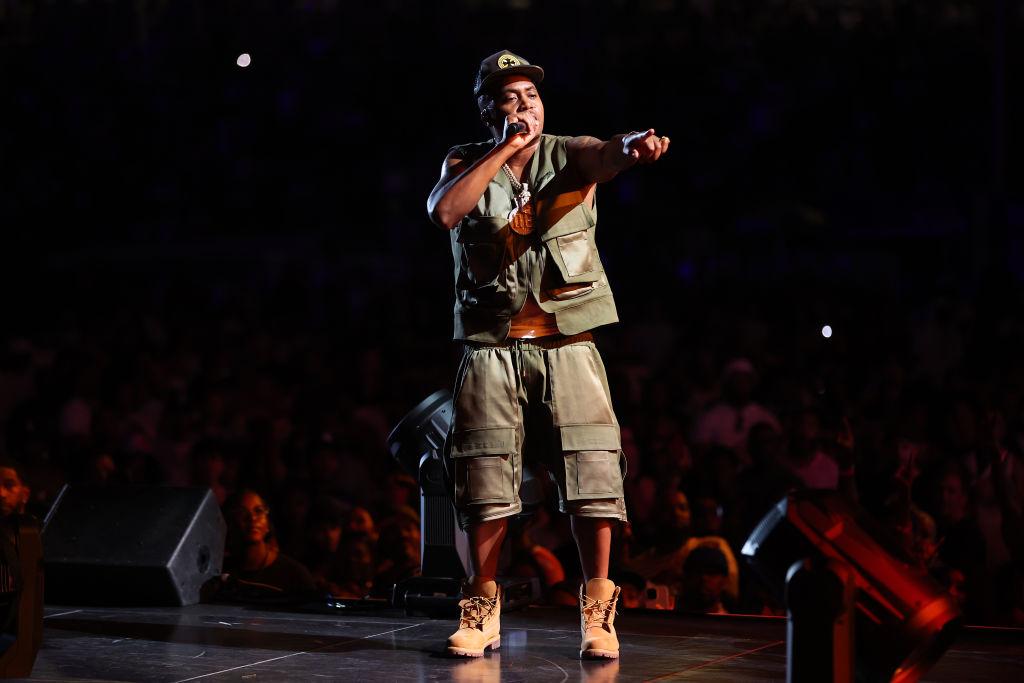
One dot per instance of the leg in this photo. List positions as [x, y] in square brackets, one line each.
[483, 458]
[480, 620]
[598, 596]
[485, 539]
[594, 541]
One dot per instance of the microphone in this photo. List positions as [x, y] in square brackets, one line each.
[515, 128]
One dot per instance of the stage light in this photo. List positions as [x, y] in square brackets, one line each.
[854, 599]
[417, 444]
[243, 60]
[826, 331]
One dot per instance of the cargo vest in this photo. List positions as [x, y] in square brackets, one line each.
[557, 264]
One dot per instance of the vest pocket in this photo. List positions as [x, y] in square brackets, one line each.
[577, 253]
[570, 291]
[570, 242]
[592, 460]
[480, 242]
[481, 263]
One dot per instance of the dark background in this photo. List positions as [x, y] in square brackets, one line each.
[184, 234]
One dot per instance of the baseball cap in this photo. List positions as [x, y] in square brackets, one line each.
[504, 63]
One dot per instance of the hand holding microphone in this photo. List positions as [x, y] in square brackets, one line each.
[518, 132]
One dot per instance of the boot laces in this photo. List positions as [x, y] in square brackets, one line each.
[597, 612]
[476, 610]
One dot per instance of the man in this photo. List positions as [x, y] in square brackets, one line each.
[529, 286]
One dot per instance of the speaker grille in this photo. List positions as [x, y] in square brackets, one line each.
[438, 521]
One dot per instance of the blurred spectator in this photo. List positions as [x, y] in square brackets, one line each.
[961, 544]
[767, 480]
[14, 493]
[663, 563]
[209, 468]
[707, 515]
[358, 566]
[809, 461]
[398, 552]
[705, 580]
[633, 586]
[729, 421]
[256, 567]
[401, 494]
[324, 530]
[531, 559]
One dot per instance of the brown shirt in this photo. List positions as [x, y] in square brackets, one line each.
[531, 322]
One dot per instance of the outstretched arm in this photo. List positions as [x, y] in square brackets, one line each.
[599, 161]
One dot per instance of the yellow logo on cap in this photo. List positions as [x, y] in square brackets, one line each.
[507, 60]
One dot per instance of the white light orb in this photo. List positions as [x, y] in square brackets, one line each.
[243, 60]
[826, 331]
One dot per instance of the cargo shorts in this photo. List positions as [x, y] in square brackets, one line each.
[536, 402]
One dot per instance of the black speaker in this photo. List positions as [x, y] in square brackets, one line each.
[21, 595]
[132, 545]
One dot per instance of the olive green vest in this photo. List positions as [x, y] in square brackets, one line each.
[558, 264]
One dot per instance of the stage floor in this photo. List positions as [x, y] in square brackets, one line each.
[230, 643]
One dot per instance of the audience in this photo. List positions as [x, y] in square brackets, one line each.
[939, 465]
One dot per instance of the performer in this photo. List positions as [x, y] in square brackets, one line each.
[529, 286]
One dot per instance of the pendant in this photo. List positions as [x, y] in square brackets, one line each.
[520, 218]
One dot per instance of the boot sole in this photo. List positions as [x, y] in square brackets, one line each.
[599, 654]
[467, 652]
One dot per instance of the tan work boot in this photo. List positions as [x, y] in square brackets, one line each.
[480, 622]
[597, 619]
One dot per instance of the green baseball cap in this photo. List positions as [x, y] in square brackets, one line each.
[504, 63]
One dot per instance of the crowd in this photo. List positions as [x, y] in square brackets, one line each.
[917, 414]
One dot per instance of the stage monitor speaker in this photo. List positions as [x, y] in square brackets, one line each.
[132, 545]
[21, 595]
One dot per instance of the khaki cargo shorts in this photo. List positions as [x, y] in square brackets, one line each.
[539, 401]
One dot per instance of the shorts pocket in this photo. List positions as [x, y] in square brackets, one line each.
[592, 461]
[488, 479]
[484, 466]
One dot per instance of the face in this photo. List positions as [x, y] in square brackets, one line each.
[709, 515]
[13, 494]
[516, 95]
[954, 500]
[712, 585]
[958, 587]
[327, 536]
[764, 444]
[252, 518]
[740, 386]
[808, 427]
[680, 510]
[410, 534]
[360, 521]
